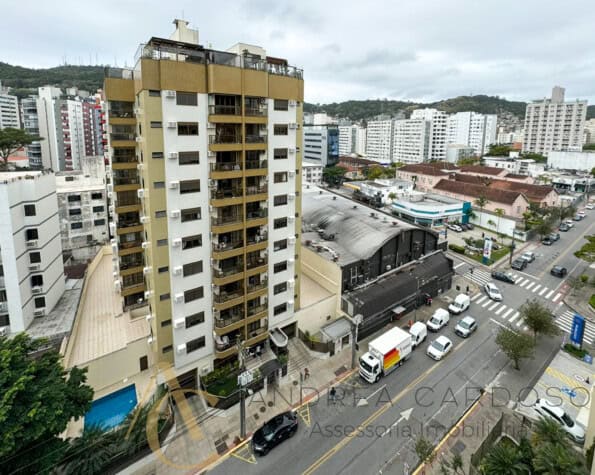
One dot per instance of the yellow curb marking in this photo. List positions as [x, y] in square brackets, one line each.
[244, 453]
[304, 413]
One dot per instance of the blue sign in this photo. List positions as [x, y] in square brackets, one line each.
[578, 330]
[588, 359]
[568, 392]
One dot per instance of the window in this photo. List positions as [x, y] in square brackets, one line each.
[158, 184]
[143, 362]
[36, 280]
[69, 178]
[195, 344]
[280, 288]
[163, 297]
[280, 309]
[188, 158]
[163, 269]
[280, 177]
[167, 349]
[99, 222]
[162, 242]
[74, 212]
[157, 154]
[40, 302]
[186, 99]
[154, 93]
[166, 323]
[73, 198]
[195, 319]
[280, 223]
[29, 210]
[76, 225]
[192, 268]
[280, 267]
[160, 214]
[189, 186]
[193, 294]
[156, 125]
[187, 128]
[279, 153]
[96, 196]
[191, 241]
[190, 214]
[35, 257]
[279, 245]
[31, 234]
[280, 129]
[281, 104]
[98, 209]
[280, 200]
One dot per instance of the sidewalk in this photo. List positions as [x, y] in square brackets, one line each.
[578, 300]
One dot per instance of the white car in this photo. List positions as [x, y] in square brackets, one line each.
[466, 326]
[439, 348]
[528, 256]
[582, 213]
[569, 223]
[493, 292]
[545, 408]
[455, 227]
[590, 206]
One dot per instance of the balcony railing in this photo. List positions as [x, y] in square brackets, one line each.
[257, 239]
[254, 310]
[130, 265]
[227, 246]
[225, 322]
[128, 283]
[256, 139]
[128, 223]
[255, 111]
[225, 110]
[126, 181]
[223, 297]
[256, 164]
[229, 271]
[253, 263]
[226, 166]
[259, 286]
[256, 190]
[226, 193]
[259, 214]
[225, 139]
[122, 137]
[121, 113]
[130, 244]
[124, 159]
[257, 332]
[223, 220]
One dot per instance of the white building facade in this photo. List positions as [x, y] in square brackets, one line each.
[312, 173]
[437, 138]
[583, 161]
[9, 111]
[32, 272]
[411, 141]
[379, 140]
[352, 139]
[472, 129]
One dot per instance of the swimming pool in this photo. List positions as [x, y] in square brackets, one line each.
[109, 411]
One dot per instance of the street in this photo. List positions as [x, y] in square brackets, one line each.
[373, 428]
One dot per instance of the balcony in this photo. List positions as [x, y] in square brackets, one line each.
[121, 137]
[255, 263]
[256, 190]
[226, 223]
[228, 275]
[232, 109]
[224, 250]
[225, 138]
[257, 214]
[255, 111]
[256, 287]
[229, 323]
[256, 138]
[226, 166]
[256, 164]
[256, 336]
[227, 196]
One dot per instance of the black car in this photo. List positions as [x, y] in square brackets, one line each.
[554, 236]
[547, 241]
[559, 271]
[519, 264]
[497, 275]
[275, 431]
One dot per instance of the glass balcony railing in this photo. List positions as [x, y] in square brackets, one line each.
[221, 273]
[256, 164]
[223, 220]
[227, 246]
[226, 166]
[225, 139]
[225, 110]
[257, 309]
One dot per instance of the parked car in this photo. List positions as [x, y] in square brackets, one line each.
[554, 236]
[493, 292]
[418, 332]
[275, 431]
[563, 227]
[590, 206]
[466, 326]
[504, 277]
[519, 264]
[582, 213]
[552, 411]
[470, 226]
[569, 223]
[528, 256]
[577, 217]
[547, 241]
[439, 348]
[438, 320]
[455, 227]
[459, 304]
[559, 271]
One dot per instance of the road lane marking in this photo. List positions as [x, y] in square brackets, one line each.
[549, 294]
[376, 392]
[536, 289]
[493, 307]
[459, 265]
[486, 303]
[514, 317]
[481, 299]
[502, 325]
[507, 312]
[520, 281]
[475, 296]
[530, 285]
[499, 311]
[525, 283]
[556, 297]
[545, 289]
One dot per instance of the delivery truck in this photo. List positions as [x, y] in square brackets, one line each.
[385, 353]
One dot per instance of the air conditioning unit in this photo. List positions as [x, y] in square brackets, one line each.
[177, 242]
[290, 303]
[291, 219]
[117, 285]
[291, 173]
[150, 340]
[110, 188]
[212, 183]
[34, 267]
[145, 219]
[174, 213]
[210, 153]
[204, 371]
[147, 294]
[112, 227]
[177, 270]
[31, 243]
[4, 331]
[179, 322]
[172, 125]
[291, 149]
[40, 312]
[291, 239]
[173, 185]
[148, 317]
[210, 125]
[293, 126]
[112, 209]
[108, 169]
[146, 245]
[291, 260]
[291, 283]
[291, 196]
[179, 298]
[139, 139]
[140, 193]
[173, 155]
[292, 103]
[138, 111]
[36, 290]
[139, 167]
[181, 348]
[147, 270]
[170, 94]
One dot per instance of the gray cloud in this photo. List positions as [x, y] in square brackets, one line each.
[409, 49]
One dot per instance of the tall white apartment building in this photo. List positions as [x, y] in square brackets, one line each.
[379, 140]
[50, 127]
[352, 139]
[73, 134]
[554, 125]
[31, 126]
[411, 141]
[590, 131]
[205, 182]
[472, 129]
[31, 269]
[9, 111]
[437, 140]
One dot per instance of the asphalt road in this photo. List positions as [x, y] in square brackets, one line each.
[423, 396]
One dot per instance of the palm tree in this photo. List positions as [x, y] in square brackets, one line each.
[491, 223]
[499, 212]
[392, 196]
[556, 459]
[481, 202]
[548, 431]
[504, 459]
[91, 452]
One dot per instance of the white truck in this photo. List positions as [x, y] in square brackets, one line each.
[384, 354]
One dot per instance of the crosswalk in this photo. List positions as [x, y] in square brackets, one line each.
[502, 311]
[564, 322]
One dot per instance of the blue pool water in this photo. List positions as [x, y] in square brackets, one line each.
[109, 411]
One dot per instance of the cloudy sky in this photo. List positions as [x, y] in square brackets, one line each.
[421, 50]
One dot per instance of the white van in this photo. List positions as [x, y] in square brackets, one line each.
[418, 332]
[438, 320]
[460, 304]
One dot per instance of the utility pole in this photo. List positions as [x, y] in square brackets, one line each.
[243, 380]
[512, 246]
[355, 323]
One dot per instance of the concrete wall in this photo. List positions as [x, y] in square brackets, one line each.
[507, 225]
[324, 272]
[314, 317]
[584, 161]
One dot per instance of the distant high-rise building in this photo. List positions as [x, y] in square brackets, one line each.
[92, 127]
[472, 129]
[352, 139]
[379, 140]
[9, 111]
[437, 138]
[411, 141]
[554, 125]
[321, 144]
[590, 131]
[31, 126]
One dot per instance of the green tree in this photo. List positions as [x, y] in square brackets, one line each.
[491, 223]
[556, 459]
[481, 202]
[424, 450]
[91, 452]
[516, 346]
[538, 318]
[468, 161]
[38, 398]
[12, 140]
[499, 150]
[526, 218]
[333, 175]
[593, 170]
[539, 158]
[375, 172]
[499, 213]
[392, 196]
[589, 146]
[544, 227]
[548, 431]
[567, 212]
[504, 459]
[587, 251]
